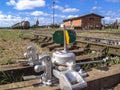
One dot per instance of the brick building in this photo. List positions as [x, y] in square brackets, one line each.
[89, 21]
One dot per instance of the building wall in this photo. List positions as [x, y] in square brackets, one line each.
[86, 22]
[73, 23]
[77, 22]
[67, 24]
[91, 21]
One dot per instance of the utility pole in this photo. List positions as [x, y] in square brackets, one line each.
[53, 13]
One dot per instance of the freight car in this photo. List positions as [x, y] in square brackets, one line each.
[21, 25]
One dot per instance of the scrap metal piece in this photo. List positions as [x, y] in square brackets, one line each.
[46, 66]
[33, 58]
[70, 80]
[62, 58]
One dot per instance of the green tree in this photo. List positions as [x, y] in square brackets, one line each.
[54, 26]
[37, 23]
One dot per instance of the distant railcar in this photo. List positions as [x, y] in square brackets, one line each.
[21, 25]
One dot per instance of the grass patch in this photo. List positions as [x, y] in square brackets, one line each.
[7, 78]
[7, 35]
[12, 47]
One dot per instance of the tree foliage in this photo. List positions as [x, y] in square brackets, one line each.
[54, 26]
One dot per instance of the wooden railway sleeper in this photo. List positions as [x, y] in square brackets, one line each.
[45, 44]
[103, 51]
[45, 38]
[53, 47]
[86, 47]
[49, 39]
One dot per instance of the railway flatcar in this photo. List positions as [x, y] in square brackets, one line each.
[21, 25]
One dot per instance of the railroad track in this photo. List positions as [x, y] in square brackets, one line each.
[46, 41]
[98, 79]
[99, 40]
[84, 51]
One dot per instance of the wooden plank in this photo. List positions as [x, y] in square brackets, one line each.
[45, 44]
[117, 87]
[91, 43]
[103, 72]
[100, 40]
[97, 79]
[88, 57]
[19, 85]
[12, 67]
[78, 51]
[51, 47]
[69, 47]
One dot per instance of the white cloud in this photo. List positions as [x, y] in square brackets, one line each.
[70, 10]
[2, 16]
[42, 21]
[113, 0]
[71, 16]
[0, 12]
[109, 20]
[111, 16]
[58, 7]
[59, 16]
[8, 20]
[96, 8]
[108, 13]
[26, 4]
[65, 9]
[112, 13]
[49, 20]
[39, 13]
[11, 2]
[62, 16]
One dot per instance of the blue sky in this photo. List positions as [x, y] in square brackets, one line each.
[13, 11]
